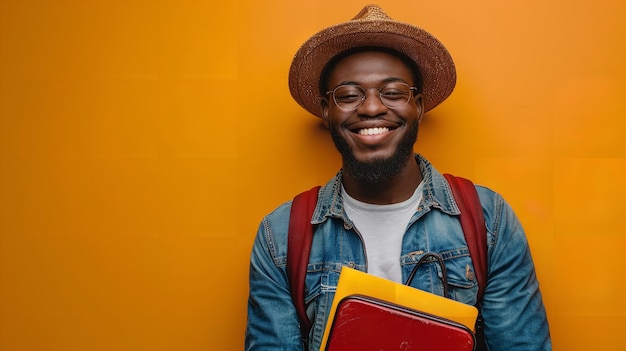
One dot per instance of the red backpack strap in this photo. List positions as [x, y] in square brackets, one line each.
[299, 242]
[473, 224]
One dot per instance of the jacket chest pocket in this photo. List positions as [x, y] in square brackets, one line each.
[462, 282]
[427, 273]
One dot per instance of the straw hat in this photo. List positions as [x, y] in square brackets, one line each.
[371, 27]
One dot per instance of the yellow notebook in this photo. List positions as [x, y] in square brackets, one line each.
[353, 282]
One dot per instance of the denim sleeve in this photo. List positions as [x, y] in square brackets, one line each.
[512, 307]
[272, 319]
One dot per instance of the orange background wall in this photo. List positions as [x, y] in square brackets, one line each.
[142, 141]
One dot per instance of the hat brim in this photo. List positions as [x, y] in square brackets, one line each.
[432, 58]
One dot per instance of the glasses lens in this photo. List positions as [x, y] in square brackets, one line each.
[395, 94]
[349, 97]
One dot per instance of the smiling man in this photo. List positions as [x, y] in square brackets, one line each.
[371, 80]
[374, 135]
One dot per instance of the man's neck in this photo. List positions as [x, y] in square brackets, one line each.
[395, 190]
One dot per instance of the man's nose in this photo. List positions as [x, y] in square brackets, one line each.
[372, 105]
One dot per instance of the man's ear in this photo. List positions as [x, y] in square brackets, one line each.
[419, 101]
[325, 110]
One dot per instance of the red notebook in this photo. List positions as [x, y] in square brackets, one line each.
[365, 323]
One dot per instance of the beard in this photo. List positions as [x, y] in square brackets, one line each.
[378, 170]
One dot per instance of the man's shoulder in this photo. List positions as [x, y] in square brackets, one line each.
[279, 215]
[326, 194]
[488, 197]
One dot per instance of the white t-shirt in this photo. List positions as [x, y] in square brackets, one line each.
[382, 228]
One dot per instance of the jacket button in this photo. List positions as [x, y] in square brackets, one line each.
[469, 274]
[351, 265]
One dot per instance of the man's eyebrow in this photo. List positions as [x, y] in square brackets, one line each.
[344, 83]
[394, 79]
[384, 81]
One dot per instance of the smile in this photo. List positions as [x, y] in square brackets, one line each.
[373, 131]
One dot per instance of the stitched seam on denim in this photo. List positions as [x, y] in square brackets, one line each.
[498, 214]
[271, 244]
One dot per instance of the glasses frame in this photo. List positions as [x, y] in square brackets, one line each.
[364, 95]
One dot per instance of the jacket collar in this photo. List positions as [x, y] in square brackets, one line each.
[436, 194]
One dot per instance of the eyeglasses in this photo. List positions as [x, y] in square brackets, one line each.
[392, 95]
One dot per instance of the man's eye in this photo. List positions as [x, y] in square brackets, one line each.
[348, 96]
[393, 94]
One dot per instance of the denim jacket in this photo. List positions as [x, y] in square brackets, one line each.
[512, 307]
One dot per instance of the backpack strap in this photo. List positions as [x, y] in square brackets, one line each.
[299, 242]
[473, 224]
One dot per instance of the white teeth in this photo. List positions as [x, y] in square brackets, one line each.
[373, 131]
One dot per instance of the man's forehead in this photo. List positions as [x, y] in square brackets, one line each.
[376, 64]
[371, 54]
